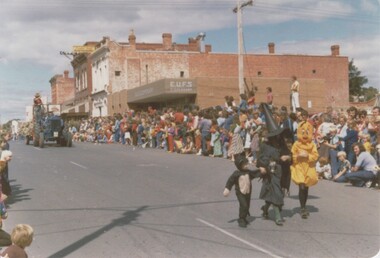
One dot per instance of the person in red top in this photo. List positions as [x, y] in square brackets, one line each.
[179, 116]
[269, 97]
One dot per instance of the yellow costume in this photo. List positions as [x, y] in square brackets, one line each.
[305, 156]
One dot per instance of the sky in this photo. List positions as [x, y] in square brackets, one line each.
[34, 32]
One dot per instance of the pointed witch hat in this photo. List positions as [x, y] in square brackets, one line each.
[272, 126]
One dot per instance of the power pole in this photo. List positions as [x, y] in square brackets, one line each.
[238, 10]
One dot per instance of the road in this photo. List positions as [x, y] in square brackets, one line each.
[116, 201]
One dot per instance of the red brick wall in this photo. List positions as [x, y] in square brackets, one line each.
[323, 79]
[62, 89]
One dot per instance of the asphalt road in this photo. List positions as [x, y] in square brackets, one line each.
[116, 201]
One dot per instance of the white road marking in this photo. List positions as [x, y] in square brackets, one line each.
[147, 165]
[78, 165]
[239, 239]
[37, 148]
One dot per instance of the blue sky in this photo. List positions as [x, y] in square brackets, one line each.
[33, 32]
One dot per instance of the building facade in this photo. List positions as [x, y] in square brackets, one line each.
[132, 75]
[61, 88]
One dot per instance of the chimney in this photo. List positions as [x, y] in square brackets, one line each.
[335, 50]
[132, 39]
[271, 48]
[193, 44]
[66, 74]
[167, 41]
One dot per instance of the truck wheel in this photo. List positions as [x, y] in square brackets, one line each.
[41, 140]
[36, 140]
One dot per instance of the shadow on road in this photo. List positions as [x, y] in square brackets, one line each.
[18, 193]
[127, 218]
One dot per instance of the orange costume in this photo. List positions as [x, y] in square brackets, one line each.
[305, 156]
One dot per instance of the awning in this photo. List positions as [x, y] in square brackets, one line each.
[162, 90]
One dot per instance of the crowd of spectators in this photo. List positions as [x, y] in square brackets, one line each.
[223, 131]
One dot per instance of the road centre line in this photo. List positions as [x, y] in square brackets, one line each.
[239, 239]
[78, 165]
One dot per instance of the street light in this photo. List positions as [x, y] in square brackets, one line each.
[238, 10]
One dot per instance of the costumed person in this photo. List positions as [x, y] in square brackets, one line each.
[303, 168]
[273, 155]
[37, 99]
[241, 178]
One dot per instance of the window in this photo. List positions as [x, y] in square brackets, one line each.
[117, 73]
[182, 74]
[259, 73]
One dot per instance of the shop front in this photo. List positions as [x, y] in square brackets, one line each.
[177, 93]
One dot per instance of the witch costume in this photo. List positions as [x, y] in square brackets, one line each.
[271, 156]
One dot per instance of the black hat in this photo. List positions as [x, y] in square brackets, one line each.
[272, 127]
[240, 160]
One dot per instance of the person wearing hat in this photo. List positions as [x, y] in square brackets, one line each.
[242, 178]
[273, 155]
[37, 99]
[303, 169]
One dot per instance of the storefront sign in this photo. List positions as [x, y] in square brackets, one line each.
[83, 49]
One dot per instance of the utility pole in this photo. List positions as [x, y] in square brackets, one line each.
[238, 10]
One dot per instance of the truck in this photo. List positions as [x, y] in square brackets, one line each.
[48, 127]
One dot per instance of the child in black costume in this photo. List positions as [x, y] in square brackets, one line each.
[241, 178]
[273, 155]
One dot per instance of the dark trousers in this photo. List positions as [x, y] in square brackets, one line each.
[244, 203]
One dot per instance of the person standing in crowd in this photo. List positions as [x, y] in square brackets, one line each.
[204, 128]
[364, 171]
[5, 141]
[22, 237]
[116, 130]
[295, 88]
[243, 105]
[241, 179]
[351, 137]
[304, 157]
[6, 157]
[269, 97]
[251, 100]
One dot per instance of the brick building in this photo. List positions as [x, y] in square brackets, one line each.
[61, 88]
[135, 75]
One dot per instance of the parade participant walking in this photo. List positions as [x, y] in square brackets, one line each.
[241, 178]
[273, 155]
[295, 88]
[305, 156]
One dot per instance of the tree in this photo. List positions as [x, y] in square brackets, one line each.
[369, 93]
[356, 81]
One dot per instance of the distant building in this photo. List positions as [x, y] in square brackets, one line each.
[117, 76]
[62, 88]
